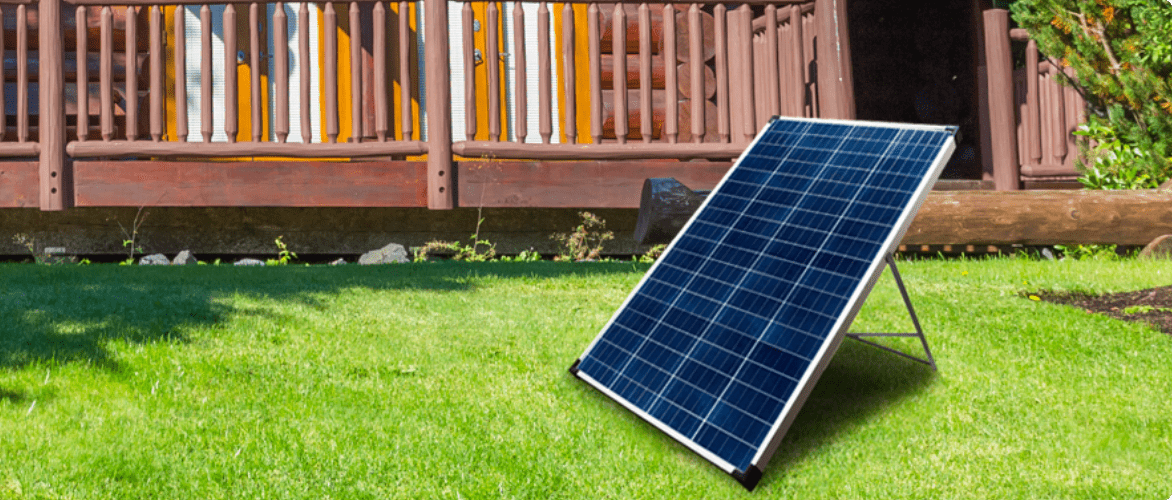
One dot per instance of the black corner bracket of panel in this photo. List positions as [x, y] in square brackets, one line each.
[574, 367]
[748, 477]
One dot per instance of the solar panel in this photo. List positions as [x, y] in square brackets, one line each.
[724, 337]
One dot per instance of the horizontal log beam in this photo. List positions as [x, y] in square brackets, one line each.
[97, 149]
[250, 184]
[583, 184]
[1042, 217]
[654, 151]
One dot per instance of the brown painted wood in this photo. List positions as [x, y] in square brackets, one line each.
[632, 38]
[255, 70]
[19, 181]
[521, 95]
[180, 52]
[157, 92]
[131, 75]
[545, 111]
[19, 149]
[331, 72]
[720, 22]
[797, 65]
[492, 60]
[205, 73]
[93, 149]
[440, 187]
[569, 68]
[231, 76]
[645, 54]
[467, 23]
[381, 105]
[1042, 217]
[748, 96]
[83, 77]
[53, 171]
[658, 116]
[3, 35]
[574, 184]
[653, 151]
[281, 67]
[595, 67]
[684, 30]
[105, 74]
[405, 70]
[303, 56]
[22, 89]
[356, 122]
[695, 46]
[1031, 119]
[619, 27]
[1003, 126]
[771, 75]
[250, 184]
[671, 128]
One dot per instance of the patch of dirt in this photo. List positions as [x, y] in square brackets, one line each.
[1152, 306]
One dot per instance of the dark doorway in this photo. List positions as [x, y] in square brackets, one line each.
[915, 62]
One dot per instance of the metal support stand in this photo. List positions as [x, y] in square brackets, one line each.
[930, 361]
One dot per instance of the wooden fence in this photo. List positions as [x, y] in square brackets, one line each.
[1031, 116]
[668, 81]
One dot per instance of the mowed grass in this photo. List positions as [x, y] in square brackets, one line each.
[449, 380]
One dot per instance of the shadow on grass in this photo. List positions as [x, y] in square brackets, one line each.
[69, 314]
[860, 383]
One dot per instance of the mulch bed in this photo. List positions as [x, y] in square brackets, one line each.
[1152, 306]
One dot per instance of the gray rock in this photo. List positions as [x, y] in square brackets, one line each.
[338, 262]
[249, 262]
[156, 259]
[1047, 253]
[184, 259]
[393, 253]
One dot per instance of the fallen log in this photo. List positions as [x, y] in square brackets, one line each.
[1041, 217]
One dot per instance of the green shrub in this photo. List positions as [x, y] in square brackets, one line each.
[1121, 54]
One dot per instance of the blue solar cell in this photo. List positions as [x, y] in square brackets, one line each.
[725, 331]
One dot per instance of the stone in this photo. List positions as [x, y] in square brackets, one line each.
[184, 259]
[156, 259]
[1159, 248]
[249, 262]
[339, 262]
[393, 253]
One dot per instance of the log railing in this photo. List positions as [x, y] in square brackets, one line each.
[598, 80]
[1031, 116]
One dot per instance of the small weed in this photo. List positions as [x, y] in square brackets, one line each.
[284, 255]
[1088, 252]
[1144, 309]
[585, 242]
[525, 256]
[30, 244]
[652, 254]
[131, 239]
[481, 250]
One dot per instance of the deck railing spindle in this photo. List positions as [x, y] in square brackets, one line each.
[619, 49]
[331, 69]
[83, 73]
[593, 37]
[671, 116]
[157, 93]
[645, 72]
[106, 73]
[131, 94]
[522, 86]
[356, 131]
[281, 67]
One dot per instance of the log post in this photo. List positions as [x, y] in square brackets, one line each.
[836, 98]
[1002, 123]
[52, 106]
[440, 195]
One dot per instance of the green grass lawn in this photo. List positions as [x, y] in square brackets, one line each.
[449, 380]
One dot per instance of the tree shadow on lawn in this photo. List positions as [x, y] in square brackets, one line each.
[860, 383]
[68, 314]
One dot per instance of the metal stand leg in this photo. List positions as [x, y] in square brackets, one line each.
[930, 361]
